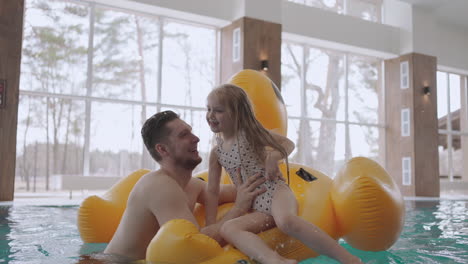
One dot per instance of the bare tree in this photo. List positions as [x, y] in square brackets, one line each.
[364, 74]
[327, 101]
[141, 66]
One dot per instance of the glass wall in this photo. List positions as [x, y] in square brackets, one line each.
[370, 10]
[453, 129]
[335, 106]
[91, 75]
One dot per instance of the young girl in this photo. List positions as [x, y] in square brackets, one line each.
[244, 143]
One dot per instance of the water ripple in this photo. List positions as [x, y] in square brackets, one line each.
[434, 232]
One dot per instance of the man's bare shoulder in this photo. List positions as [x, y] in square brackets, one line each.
[196, 189]
[155, 177]
[153, 185]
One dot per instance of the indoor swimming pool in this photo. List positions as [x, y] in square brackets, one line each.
[434, 232]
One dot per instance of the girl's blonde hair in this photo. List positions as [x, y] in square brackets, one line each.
[240, 109]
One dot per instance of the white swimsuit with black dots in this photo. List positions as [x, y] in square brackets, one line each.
[251, 164]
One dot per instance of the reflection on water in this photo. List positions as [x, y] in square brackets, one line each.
[38, 234]
[5, 250]
[434, 232]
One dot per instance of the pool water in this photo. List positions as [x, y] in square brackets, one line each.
[434, 232]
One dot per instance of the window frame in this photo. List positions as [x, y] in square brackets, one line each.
[346, 122]
[89, 99]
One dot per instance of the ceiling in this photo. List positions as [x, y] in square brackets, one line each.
[449, 11]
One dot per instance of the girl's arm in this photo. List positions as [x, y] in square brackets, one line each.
[212, 191]
[287, 144]
[273, 156]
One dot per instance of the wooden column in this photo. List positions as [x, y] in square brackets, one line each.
[259, 40]
[11, 28]
[420, 146]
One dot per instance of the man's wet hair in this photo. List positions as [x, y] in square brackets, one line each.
[155, 131]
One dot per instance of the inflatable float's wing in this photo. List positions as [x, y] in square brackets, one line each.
[99, 217]
[368, 204]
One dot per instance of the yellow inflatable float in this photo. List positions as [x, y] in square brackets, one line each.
[362, 203]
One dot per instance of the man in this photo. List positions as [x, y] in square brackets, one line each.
[171, 192]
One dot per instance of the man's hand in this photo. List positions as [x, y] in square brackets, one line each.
[247, 191]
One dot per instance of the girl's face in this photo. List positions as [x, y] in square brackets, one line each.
[217, 116]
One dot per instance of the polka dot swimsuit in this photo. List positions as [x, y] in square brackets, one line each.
[251, 164]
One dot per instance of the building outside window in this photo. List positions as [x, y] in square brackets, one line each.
[91, 75]
[453, 125]
[331, 98]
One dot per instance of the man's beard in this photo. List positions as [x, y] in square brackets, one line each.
[188, 164]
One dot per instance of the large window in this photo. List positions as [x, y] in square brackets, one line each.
[91, 75]
[370, 10]
[331, 98]
[453, 127]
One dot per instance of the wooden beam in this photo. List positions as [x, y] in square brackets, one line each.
[259, 40]
[420, 146]
[11, 28]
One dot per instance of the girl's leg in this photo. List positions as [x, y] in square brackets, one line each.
[284, 211]
[241, 232]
